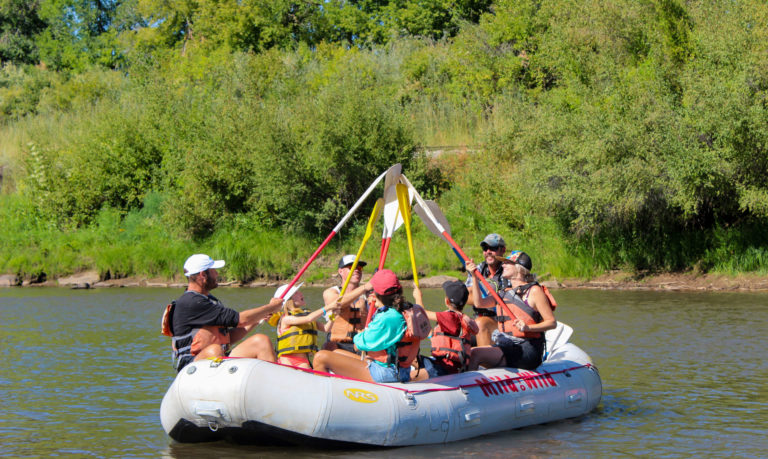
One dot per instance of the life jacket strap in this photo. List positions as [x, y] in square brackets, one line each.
[311, 348]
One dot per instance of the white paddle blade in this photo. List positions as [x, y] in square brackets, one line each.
[557, 337]
[428, 222]
[439, 215]
[392, 217]
[393, 176]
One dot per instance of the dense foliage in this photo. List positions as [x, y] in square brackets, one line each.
[597, 134]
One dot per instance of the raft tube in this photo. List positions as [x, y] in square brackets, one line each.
[257, 402]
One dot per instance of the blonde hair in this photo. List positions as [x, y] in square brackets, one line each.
[523, 272]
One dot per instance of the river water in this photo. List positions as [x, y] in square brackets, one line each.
[83, 373]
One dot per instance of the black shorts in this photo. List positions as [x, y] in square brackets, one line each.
[349, 347]
[524, 353]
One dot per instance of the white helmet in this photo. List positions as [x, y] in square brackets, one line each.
[290, 293]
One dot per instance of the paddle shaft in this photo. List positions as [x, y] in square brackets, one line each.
[335, 231]
[368, 231]
[384, 249]
[403, 199]
[447, 236]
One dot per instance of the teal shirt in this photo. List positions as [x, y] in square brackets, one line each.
[384, 331]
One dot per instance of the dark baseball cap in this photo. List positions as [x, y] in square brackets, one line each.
[456, 292]
[348, 260]
[493, 240]
[521, 258]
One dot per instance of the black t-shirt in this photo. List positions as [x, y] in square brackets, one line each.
[194, 310]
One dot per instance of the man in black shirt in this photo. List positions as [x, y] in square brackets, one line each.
[203, 327]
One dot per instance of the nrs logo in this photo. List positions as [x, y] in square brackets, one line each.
[360, 395]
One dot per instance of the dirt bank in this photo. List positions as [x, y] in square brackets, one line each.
[616, 280]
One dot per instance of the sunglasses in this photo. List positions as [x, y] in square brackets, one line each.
[493, 249]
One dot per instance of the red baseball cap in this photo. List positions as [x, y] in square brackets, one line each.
[385, 282]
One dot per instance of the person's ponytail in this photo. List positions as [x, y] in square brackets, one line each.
[395, 300]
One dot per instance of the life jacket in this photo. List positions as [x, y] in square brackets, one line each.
[452, 350]
[349, 321]
[417, 328]
[522, 290]
[496, 282]
[202, 337]
[298, 339]
[519, 309]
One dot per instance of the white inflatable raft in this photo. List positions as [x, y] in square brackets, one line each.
[252, 401]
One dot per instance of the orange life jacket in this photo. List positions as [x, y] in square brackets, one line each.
[417, 328]
[453, 350]
[349, 321]
[202, 337]
[519, 309]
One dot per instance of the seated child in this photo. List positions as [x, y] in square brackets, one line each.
[451, 337]
[297, 328]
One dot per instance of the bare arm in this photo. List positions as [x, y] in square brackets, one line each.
[250, 317]
[539, 300]
[350, 296]
[418, 298]
[477, 299]
[311, 317]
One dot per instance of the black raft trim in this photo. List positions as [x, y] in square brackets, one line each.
[257, 433]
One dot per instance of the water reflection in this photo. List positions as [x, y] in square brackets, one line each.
[84, 373]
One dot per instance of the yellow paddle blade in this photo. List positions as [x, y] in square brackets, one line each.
[375, 214]
[405, 209]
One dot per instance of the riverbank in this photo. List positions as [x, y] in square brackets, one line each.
[616, 280]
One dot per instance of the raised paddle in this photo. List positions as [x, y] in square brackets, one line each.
[392, 220]
[405, 210]
[392, 170]
[438, 214]
[377, 208]
[447, 237]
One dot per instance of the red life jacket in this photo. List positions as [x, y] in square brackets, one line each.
[513, 299]
[452, 350]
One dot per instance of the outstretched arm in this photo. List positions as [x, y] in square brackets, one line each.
[251, 317]
[311, 317]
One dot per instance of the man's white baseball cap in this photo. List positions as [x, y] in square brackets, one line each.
[200, 262]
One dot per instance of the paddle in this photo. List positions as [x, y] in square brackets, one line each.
[557, 337]
[392, 170]
[405, 210]
[392, 220]
[438, 214]
[377, 208]
[447, 237]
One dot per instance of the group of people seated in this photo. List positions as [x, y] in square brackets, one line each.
[373, 332]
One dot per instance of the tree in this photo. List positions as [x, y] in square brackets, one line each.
[19, 24]
[79, 33]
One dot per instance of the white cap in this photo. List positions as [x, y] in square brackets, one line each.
[199, 262]
[290, 293]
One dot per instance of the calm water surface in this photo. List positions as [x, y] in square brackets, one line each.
[684, 374]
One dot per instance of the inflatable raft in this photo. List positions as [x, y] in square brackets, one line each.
[252, 401]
